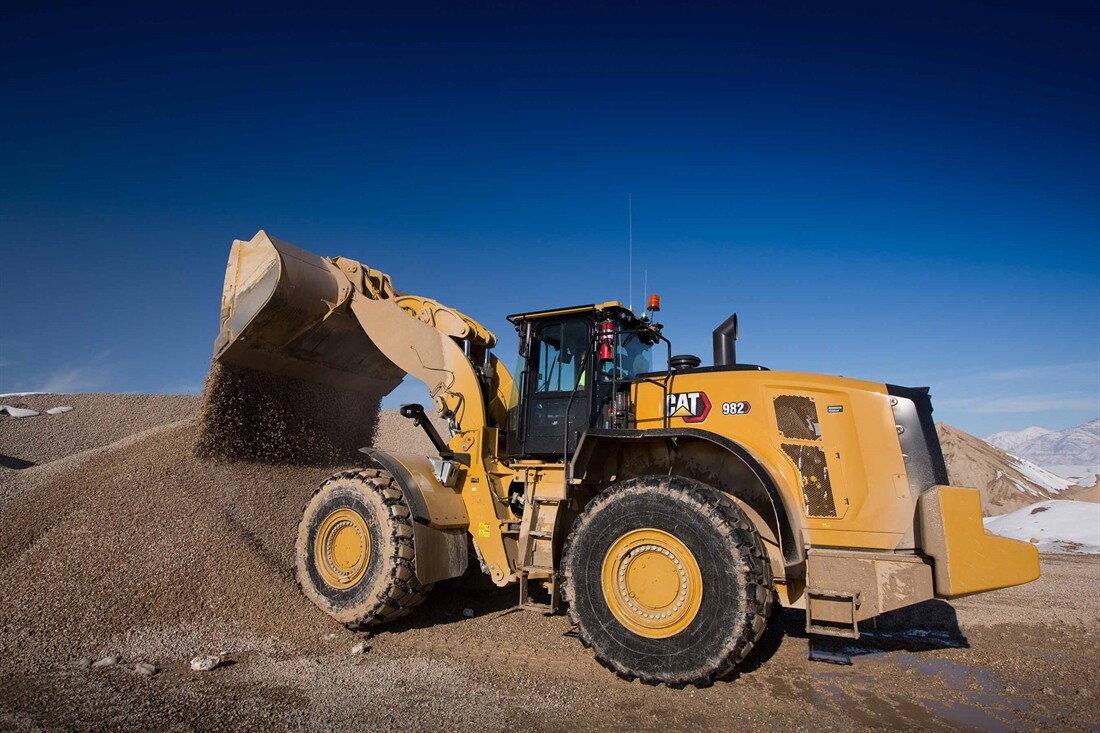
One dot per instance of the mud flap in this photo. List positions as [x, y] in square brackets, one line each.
[440, 520]
[440, 553]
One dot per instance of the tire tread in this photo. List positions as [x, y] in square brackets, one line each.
[401, 592]
[735, 529]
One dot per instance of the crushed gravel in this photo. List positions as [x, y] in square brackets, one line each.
[96, 420]
[143, 552]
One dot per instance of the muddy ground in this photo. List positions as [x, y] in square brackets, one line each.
[136, 548]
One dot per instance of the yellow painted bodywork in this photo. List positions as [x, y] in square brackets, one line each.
[967, 559]
[874, 508]
[445, 506]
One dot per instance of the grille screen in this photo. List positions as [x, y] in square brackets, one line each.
[797, 417]
[817, 490]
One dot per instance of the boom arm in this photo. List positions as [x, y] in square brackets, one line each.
[338, 322]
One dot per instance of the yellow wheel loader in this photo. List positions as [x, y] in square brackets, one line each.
[670, 508]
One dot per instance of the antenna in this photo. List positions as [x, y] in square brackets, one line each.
[630, 251]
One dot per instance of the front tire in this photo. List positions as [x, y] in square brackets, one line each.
[355, 553]
[667, 581]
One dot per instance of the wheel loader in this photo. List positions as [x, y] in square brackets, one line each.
[669, 508]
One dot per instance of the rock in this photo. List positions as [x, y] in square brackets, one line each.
[17, 411]
[58, 410]
[108, 661]
[207, 662]
[145, 669]
[85, 662]
[468, 612]
[330, 635]
[360, 648]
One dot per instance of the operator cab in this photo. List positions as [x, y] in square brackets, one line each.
[576, 365]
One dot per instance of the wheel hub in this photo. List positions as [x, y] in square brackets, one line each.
[652, 583]
[341, 551]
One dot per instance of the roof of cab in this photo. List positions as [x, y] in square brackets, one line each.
[611, 305]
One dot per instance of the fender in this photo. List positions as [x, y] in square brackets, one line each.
[440, 519]
[790, 541]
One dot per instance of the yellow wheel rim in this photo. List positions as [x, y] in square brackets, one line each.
[652, 583]
[342, 548]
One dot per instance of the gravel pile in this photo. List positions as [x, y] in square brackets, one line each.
[152, 543]
[166, 542]
[96, 420]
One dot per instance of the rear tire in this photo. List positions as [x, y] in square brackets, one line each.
[355, 554]
[667, 581]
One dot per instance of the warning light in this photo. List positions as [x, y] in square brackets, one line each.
[654, 302]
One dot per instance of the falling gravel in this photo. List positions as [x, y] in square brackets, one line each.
[255, 416]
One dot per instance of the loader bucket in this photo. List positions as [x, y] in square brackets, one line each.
[285, 312]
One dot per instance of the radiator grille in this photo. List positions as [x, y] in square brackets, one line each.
[797, 417]
[817, 490]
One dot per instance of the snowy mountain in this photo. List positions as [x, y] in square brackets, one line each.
[1005, 481]
[1073, 453]
[1015, 442]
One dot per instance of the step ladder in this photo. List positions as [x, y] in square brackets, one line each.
[833, 604]
[537, 558]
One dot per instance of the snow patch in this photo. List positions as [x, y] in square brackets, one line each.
[1055, 526]
[59, 410]
[1080, 475]
[1041, 476]
[1024, 487]
[17, 411]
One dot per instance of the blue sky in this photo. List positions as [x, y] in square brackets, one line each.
[909, 196]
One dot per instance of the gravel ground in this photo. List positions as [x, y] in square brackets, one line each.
[144, 551]
[96, 420]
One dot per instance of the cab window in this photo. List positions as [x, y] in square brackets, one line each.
[562, 356]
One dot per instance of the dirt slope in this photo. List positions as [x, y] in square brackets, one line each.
[1004, 486]
[1082, 493]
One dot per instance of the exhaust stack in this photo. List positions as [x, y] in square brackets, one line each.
[725, 342]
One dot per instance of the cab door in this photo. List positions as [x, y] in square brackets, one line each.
[558, 386]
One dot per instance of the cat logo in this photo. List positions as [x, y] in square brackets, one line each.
[691, 406]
